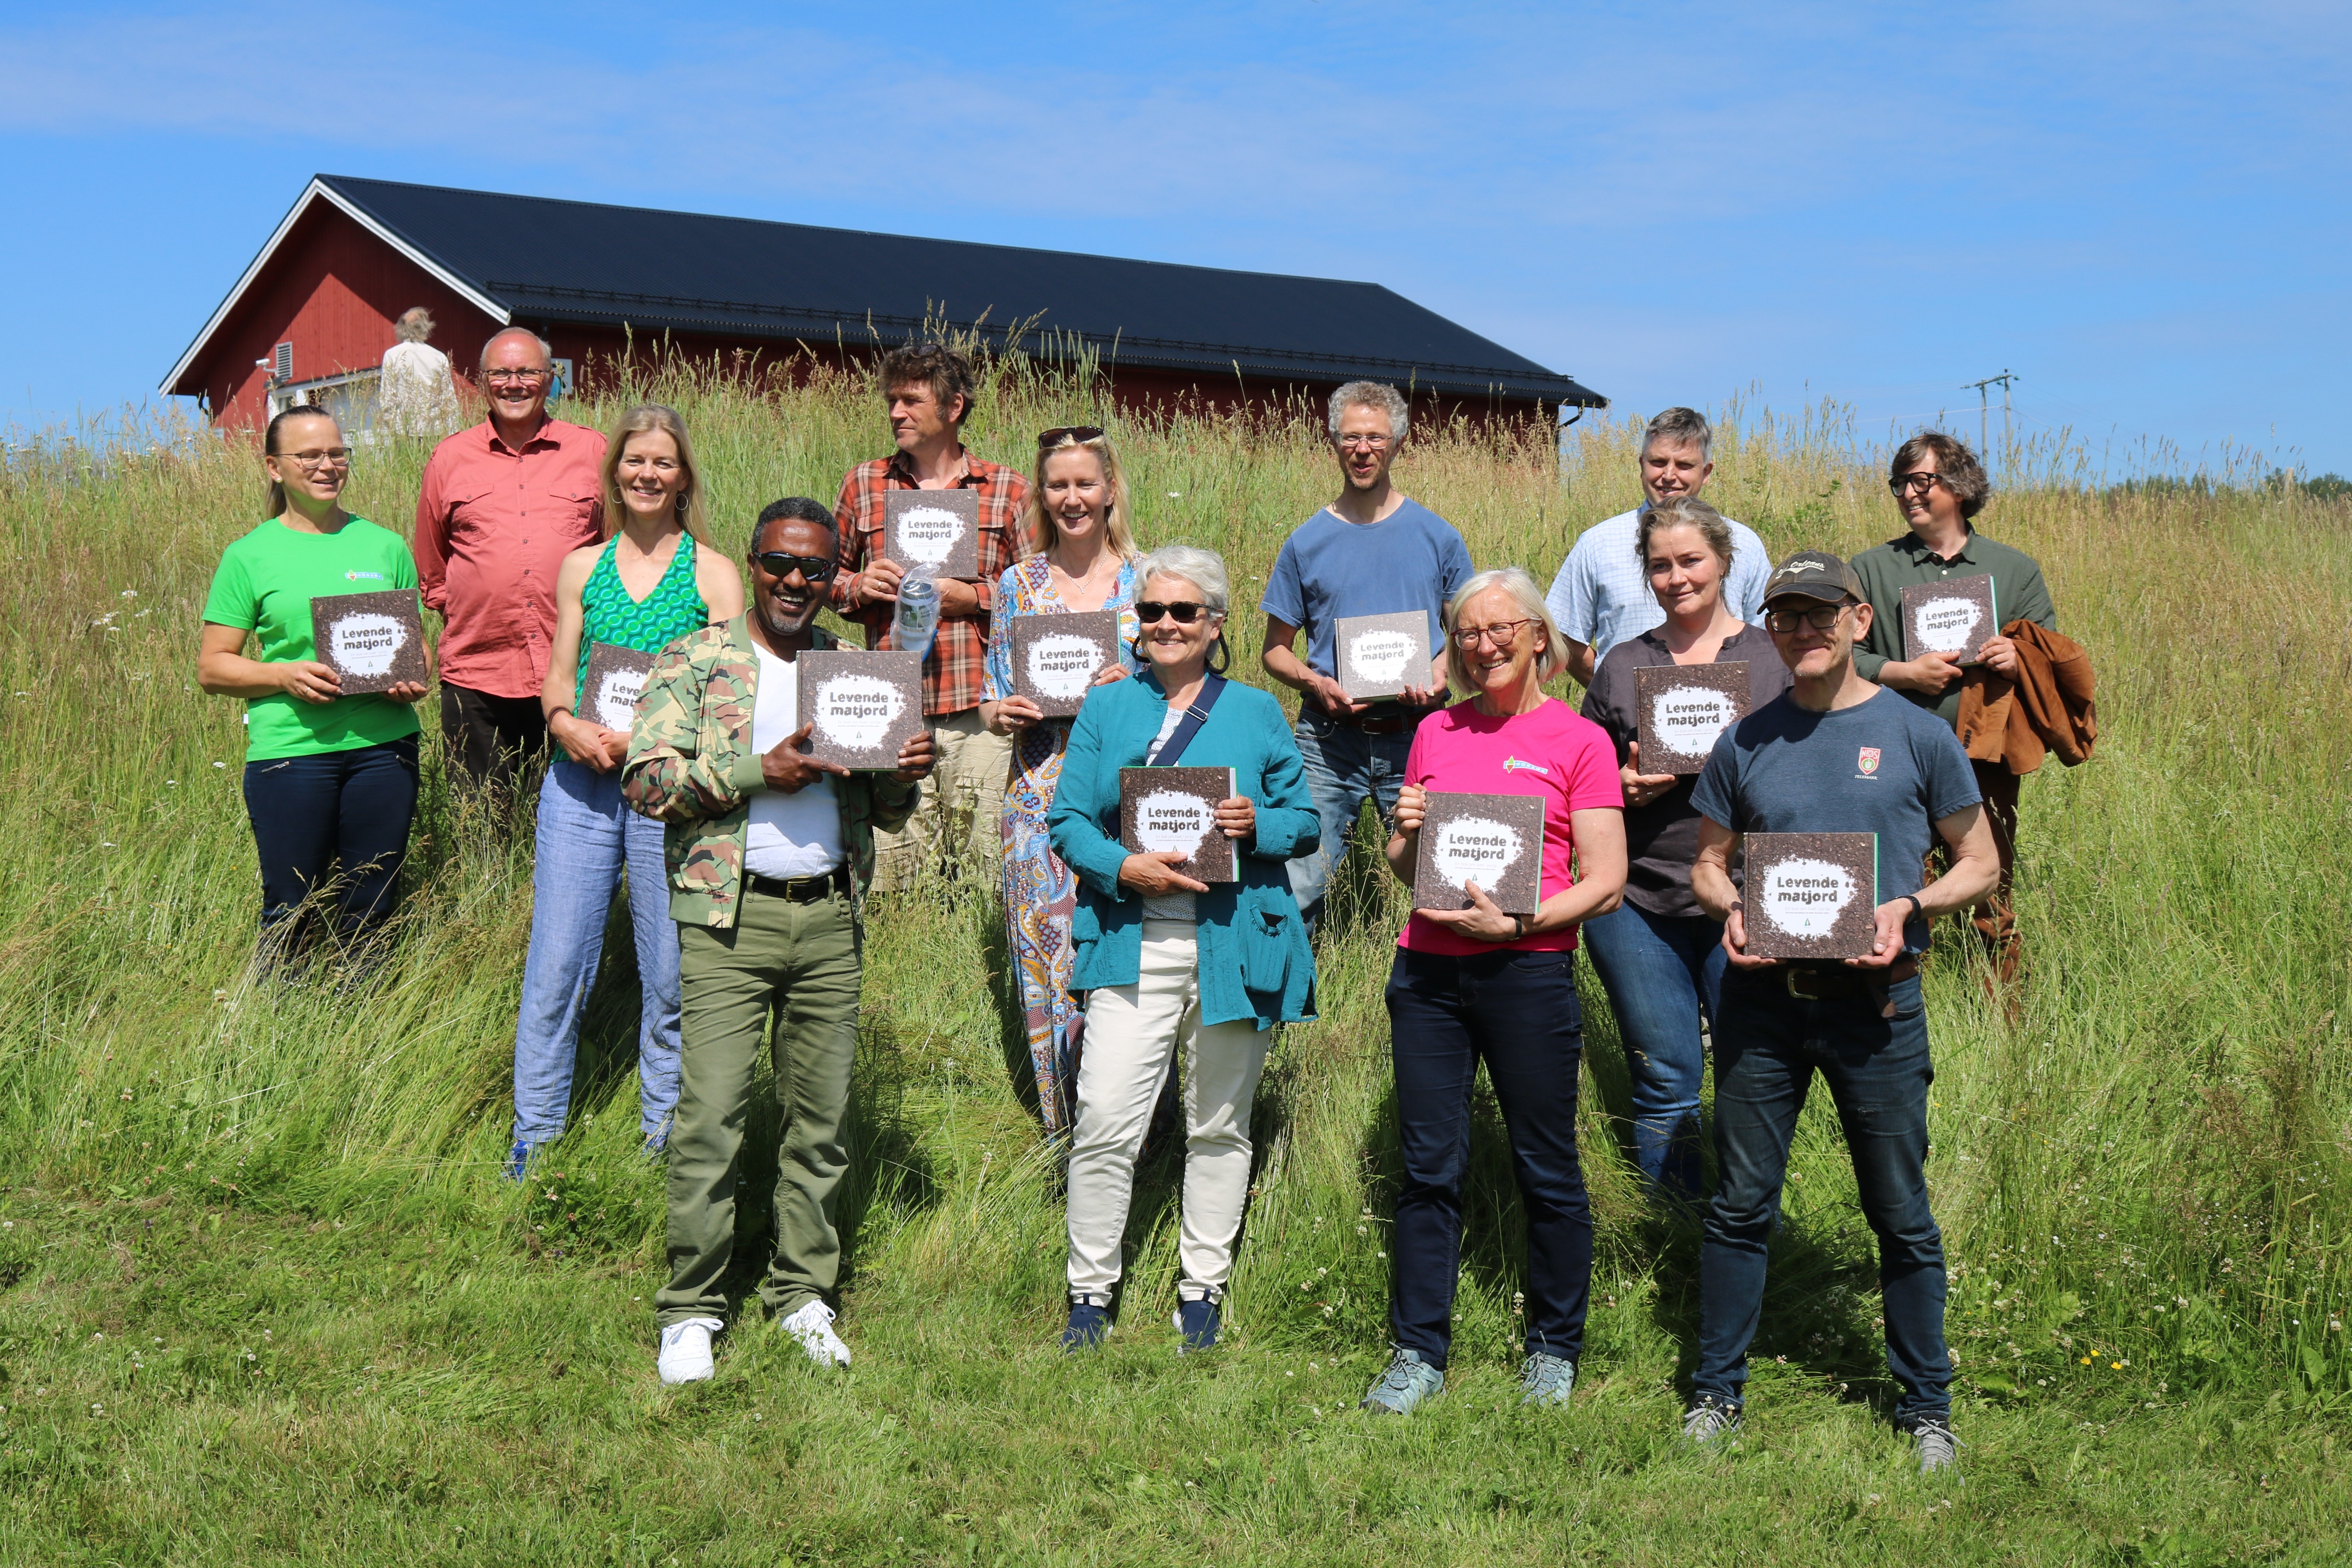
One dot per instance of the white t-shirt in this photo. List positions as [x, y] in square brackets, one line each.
[796, 835]
[1178, 905]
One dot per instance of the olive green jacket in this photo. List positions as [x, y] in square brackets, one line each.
[692, 764]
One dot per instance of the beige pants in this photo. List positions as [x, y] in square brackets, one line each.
[1132, 1034]
[958, 810]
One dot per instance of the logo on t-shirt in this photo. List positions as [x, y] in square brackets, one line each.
[358, 576]
[1514, 764]
[1867, 763]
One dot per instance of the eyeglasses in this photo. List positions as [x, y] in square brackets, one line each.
[332, 458]
[516, 377]
[1820, 617]
[812, 568]
[1362, 443]
[1502, 634]
[1183, 612]
[1923, 480]
[1081, 434]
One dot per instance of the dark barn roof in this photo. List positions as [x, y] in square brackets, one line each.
[538, 259]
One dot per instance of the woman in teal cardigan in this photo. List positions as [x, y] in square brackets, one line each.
[1169, 961]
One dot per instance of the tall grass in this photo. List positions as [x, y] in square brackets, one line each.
[2142, 1180]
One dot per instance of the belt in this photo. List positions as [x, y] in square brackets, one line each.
[1392, 720]
[1808, 984]
[800, 890]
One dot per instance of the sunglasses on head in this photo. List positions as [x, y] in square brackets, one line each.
[1183, 612]
[812, 568]
[1061, 433]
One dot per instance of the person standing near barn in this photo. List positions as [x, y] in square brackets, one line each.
[928, 392]
[414, 396]
[501, 505]
[1601, 595]
[1374, 550]
[1939, 487]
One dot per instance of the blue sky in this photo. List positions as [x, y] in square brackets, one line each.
[2140, 209]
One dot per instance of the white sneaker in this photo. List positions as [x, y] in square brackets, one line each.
[685, 1351]
[813, 1326]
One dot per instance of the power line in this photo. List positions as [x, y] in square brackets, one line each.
[1983, 411]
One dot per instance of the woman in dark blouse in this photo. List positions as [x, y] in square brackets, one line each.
[1658, 955]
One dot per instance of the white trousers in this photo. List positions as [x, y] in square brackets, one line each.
[1132, 1034]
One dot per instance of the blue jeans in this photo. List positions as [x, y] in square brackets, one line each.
[334, 823]
[1660, 970]
[1343, 766]
[1768, 1045]
[1518, 1012]
[586, 837]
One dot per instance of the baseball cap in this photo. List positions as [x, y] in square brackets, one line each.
[1814, 574]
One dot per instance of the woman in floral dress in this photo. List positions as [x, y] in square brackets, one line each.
[1081, 555]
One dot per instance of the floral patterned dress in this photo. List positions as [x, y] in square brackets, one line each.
[1040, 893]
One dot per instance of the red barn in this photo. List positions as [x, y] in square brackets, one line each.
[313, 313]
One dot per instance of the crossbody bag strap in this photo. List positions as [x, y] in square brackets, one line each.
[1168, 756]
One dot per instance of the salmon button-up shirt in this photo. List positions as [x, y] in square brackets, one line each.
[493, 523]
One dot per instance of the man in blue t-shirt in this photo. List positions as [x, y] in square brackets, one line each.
[1373, 551]
[1834, 755]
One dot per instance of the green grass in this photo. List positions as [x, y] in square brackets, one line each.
[263, 1296]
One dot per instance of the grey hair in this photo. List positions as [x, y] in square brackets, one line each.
[416, 325]
[1377, 394]
[1513, 581]
[546, 350]
[1680, 426]
[1203, 569]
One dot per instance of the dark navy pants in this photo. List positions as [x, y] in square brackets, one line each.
[336, 821]
[1515, 1011]
[1768, 1046]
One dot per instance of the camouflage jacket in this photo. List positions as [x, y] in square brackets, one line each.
[692, 764]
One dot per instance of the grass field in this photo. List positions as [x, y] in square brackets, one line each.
[264, 1296]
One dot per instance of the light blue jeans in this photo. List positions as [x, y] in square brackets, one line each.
[1343, 766]
[587, 838]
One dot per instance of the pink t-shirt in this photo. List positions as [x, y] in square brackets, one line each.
[1555, 752]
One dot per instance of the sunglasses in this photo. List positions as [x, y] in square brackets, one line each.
[812, 568]
[1822, 617]
[1061, 433]
[1183, 612]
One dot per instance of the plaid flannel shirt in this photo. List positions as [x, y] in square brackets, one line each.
[957, 665]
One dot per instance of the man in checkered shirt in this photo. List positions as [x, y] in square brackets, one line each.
[1602, 594]
[927, 390]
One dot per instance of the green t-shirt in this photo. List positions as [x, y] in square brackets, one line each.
[265, 586]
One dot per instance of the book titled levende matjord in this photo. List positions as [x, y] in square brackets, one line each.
[1161, 809]
[939, 529]
[1380, 656]
[862, 707]
[615, 678]
[1956, 617]
[1682, 708]
[1056, 658]
[1493, 840]
[372, 641]
[1810, 895]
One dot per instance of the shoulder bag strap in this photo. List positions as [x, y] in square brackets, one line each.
[1211, 687]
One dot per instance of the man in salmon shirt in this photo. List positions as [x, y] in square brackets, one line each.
[502, 503]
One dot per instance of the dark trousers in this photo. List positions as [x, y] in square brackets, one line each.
[334, 824]
[1996, 918]
[1768, 1045]
[1517, 1012]
[490, 738]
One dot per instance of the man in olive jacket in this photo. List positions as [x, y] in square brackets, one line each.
[769, 852]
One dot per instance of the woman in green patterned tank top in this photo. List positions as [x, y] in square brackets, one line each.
[647, 585]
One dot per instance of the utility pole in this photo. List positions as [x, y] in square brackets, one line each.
[1984, 413]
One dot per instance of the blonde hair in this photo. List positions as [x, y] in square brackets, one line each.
[1549, 660]
[638, 421]
[1040, 533]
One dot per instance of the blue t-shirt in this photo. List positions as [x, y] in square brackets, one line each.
[1410, 559]
[1884, 766]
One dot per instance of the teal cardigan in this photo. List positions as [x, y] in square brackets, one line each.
[1254, 961]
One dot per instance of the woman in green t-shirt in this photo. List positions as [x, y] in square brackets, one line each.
[330, 780]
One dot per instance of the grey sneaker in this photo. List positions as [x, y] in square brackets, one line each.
[1939, 1450]
[1710, 1417]
[1547, 1379]
[1408, 1381]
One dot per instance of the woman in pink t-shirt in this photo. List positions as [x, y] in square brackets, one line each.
[1479, 985]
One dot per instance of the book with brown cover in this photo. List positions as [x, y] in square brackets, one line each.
[1956, 616]
[1493, 840]
[373, 641]
[1162, 809]
[1682, 708]
[1810, 895]
[608, 693]
[1380, 656]
[863, 706]
[939, 529]
[1056, 657]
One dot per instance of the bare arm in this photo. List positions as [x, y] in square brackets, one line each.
[720, 585]
[1598, 887]
[1280, 662]
[223, 669]
[1580, 661]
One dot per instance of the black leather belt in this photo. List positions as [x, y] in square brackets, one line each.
[1808, 984]
[801, 889]
[1388, 720]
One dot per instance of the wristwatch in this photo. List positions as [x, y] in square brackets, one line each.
[1917, 909]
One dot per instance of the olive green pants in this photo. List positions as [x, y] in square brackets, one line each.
[798, 963]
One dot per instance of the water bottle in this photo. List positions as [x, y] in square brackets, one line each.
[918, 621]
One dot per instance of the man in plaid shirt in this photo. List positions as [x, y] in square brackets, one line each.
[928, 390]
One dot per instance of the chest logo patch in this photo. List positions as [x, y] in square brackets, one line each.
[1867, 763]
[1515, 764]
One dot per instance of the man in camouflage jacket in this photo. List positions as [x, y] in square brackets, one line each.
[768, 889]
